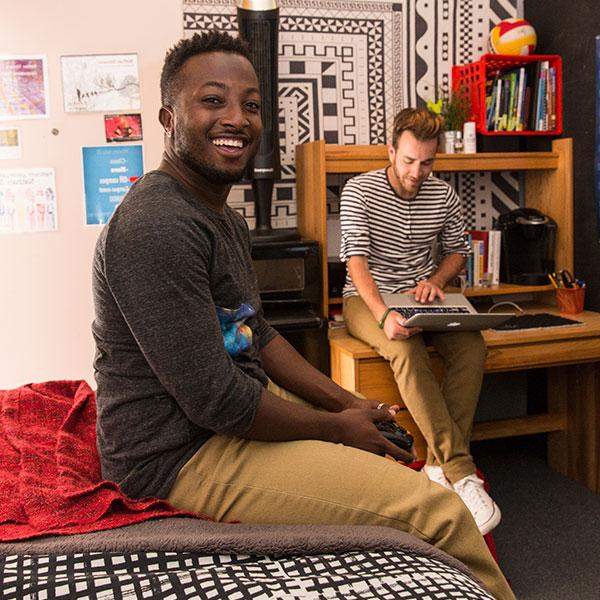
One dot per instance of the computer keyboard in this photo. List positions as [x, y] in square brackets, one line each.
[411, 311]
[535, 321]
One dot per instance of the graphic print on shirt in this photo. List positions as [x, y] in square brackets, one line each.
[237, 336]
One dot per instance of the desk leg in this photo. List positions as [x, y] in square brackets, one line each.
[575, 390]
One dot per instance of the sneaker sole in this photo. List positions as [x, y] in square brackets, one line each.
[492, 522]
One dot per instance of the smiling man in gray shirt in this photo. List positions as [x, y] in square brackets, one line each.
[199, 400]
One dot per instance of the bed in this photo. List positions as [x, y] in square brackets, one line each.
[66, 533]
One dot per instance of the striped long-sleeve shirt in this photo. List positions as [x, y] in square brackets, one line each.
[397, 235]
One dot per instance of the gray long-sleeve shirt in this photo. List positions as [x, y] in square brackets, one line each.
[178, 329]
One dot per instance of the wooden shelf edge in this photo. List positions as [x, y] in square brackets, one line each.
[349, 159]
[544, 423]
[503, 289]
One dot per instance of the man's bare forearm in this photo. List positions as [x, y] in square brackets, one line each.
[358, 268]
[449, 267]
[287, 368]
[278, 420]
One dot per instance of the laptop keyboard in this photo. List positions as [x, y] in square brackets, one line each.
[411, 311]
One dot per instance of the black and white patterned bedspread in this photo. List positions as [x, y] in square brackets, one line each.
[368, 575]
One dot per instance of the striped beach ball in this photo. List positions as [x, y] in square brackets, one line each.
[512, 36]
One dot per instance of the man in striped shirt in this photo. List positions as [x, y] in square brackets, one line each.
[391, 220]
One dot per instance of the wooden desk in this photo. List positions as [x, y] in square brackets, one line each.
[572, 358]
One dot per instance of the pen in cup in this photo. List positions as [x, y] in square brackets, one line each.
[552, 278]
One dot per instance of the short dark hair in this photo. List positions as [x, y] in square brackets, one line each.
[212, 41]
[424, 124]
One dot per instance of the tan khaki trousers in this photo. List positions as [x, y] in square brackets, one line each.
[443, 413]
[314, 482]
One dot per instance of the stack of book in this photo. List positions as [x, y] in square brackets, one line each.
[522, 99]
[483, 264]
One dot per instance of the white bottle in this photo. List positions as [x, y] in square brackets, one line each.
[469, 138]
[458, 143]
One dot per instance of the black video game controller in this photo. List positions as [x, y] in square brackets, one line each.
[396, 434]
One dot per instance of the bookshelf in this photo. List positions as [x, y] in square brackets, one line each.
[548, 187]
[495, 68]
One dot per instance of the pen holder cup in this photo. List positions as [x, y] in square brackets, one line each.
[570, 300]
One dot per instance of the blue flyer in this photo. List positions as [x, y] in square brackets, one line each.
[108, 173]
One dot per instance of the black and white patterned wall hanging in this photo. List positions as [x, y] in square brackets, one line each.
[346, 67]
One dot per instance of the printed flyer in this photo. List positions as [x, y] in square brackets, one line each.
[10, 143]
[123, 128]
[108, 173]
[23, 87]
[27, 200]
[101, 82]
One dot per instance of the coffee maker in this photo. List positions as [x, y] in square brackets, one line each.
[528, 242]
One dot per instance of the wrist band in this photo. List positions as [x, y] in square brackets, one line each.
[385, 314]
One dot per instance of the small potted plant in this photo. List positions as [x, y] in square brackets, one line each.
[456, 110]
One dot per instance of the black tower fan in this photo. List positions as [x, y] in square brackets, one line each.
[258, 22]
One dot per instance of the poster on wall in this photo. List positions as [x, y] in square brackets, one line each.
[100, 82]
[108, 173]
[123, 128]
[27, 200]
[10, 143]
[23, 87]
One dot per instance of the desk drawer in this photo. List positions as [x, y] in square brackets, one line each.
[375, 379]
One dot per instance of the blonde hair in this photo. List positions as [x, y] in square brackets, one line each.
[421, 122]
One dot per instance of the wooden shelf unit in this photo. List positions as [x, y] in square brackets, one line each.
[548, 187]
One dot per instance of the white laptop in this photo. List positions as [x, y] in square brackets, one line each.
[455, 313]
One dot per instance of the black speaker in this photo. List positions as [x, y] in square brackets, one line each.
[258, 22]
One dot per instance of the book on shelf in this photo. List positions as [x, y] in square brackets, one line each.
[512, 102]
[483, 263]
[504, 107]
[522, 99]
[479, 246]
[493, 257]
[496, 121]
[522, 78]
[552, 98]
[533, 70]
[541, 103]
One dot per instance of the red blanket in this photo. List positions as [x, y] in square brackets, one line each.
[50, 478]
[50, 481]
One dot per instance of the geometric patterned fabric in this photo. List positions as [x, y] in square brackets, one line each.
[346, 67]
[377, 575]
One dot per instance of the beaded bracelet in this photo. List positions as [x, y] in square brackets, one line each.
[385, 314]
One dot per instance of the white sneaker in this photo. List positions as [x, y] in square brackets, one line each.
[484, 510]
[436, 474]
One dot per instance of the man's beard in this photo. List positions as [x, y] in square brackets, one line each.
[210, 173]
[405, 191]
[205, 170]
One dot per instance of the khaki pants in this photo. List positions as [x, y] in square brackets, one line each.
[314, 482]
[444, 414]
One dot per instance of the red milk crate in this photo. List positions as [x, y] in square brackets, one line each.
[471, 79]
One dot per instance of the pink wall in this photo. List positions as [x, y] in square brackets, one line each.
[45, 295]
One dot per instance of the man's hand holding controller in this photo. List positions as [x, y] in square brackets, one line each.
[360, 428]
